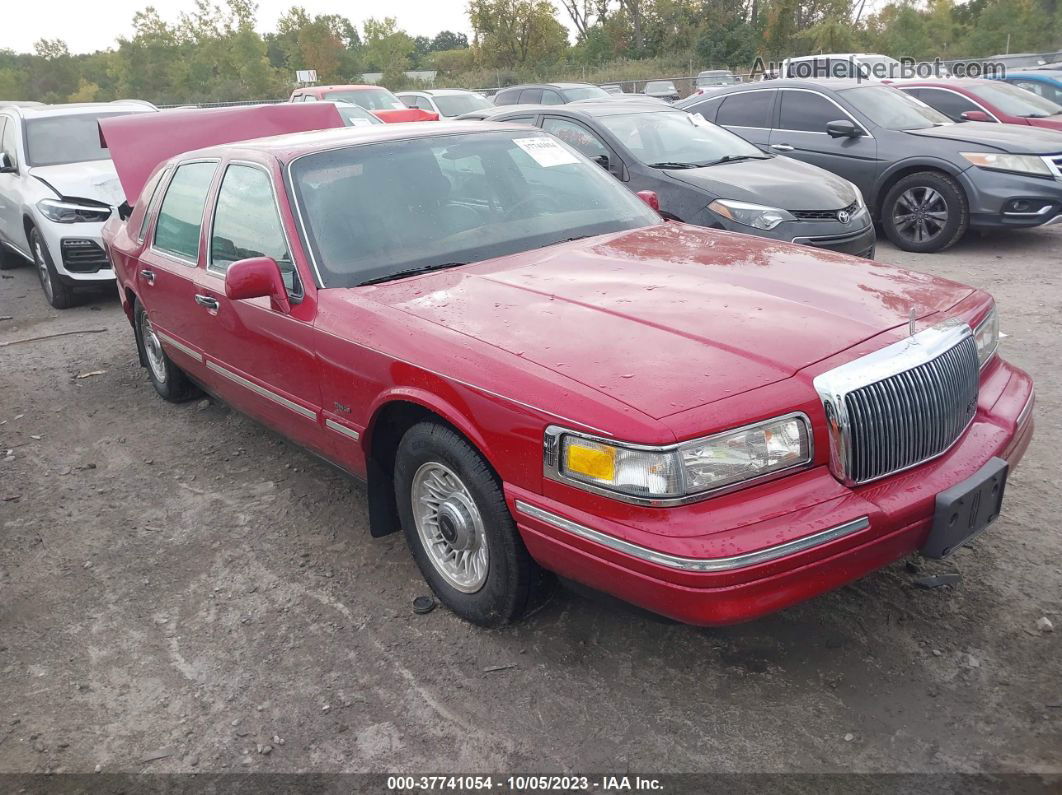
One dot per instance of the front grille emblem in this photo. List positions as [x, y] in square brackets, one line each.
[844, 216]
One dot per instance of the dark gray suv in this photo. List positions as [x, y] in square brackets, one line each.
[707, 176]
[924, 177]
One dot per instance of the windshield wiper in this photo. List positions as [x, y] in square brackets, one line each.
[737, 159]
[438, 266]
[670, 164]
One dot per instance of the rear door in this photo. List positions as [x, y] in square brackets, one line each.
[166, 274]
[260, 359]
[800, 132]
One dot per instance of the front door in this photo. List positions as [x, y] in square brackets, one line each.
[259, 358]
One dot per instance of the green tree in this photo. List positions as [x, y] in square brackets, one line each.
[512, 33]
[387, 49]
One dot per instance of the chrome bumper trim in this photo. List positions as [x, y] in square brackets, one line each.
[180, 346]
[343, 429]
[1023, 416]
[261, 390]
[695, 564]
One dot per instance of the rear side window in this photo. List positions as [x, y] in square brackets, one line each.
[950, 104]
[745, 110]
[804, 111]
[181, 213]
[246, 223]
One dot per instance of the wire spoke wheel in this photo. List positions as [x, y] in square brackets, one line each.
[450, 526]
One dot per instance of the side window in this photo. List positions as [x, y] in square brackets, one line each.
[551, 97]
[531, 96]
[246, 223]
[147, 199]
[577, 137]
[807, 112]
[506, 97]
[950, 104]
[7, 141]
[708, 108]
[408, 101]
[748, 109]
[181, 213]
[520, 120]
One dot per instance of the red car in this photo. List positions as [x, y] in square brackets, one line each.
[375, 99]
[533, 372]
[985, 100]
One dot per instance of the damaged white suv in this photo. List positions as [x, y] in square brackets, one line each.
[57, 187]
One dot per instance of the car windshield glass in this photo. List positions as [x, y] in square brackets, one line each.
[56, 140]
[716, 80]
[356, 116]
[384, 209]
[584, 92]
[677, 137]
[456, 104]
[659, 85]
[368, 98]
[1016, 101]
[893, 109]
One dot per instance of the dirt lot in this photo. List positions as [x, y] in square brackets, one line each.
[182, 590]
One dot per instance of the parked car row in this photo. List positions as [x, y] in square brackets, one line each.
[535, 372]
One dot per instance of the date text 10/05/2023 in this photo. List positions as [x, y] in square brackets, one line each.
[529, 783]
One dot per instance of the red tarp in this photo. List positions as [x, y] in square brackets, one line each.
[138, 142]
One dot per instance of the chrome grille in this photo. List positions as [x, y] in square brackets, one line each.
[824, 215]
[901, 406]
[1056, 162]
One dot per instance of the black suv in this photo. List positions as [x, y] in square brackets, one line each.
[926, 178]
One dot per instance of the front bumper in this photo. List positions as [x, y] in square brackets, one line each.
[856, 237]
[989, 193]
[819, 534]
[77, 251]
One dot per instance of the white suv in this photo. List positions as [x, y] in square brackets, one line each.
[57, 187]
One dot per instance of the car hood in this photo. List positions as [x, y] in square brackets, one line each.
[671, 317]
[96, 180]
[1005, 137]
[1050, 123]
[777, 182]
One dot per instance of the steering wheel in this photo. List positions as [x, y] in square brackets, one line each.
[527, 201]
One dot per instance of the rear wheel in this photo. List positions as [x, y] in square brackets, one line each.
[59, 294]
[168, 379]
[459, 528]
[925, 212]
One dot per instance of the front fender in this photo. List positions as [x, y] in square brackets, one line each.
[911, 165]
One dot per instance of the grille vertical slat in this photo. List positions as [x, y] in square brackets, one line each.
[900, 421]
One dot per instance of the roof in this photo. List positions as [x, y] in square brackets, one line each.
[77, 108]
[1045, 75]
[838, 84]
[942, 82]
[549, 85]
[592, 109]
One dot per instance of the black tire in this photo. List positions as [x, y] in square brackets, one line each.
[169, 381]
[58, 293]
[513, 580]
[925, 212]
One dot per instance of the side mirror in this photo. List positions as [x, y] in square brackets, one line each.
[6, 164]
[603, 161]
[976, 115]
[843, 128]
[650, 198]
[257, 277]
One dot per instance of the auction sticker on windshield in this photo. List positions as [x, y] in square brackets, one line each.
[546, 151]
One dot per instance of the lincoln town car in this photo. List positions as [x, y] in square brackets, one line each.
[536, 375]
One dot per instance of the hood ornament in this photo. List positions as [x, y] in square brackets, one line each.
[911, 322]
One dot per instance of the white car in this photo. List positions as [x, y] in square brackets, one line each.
[449, 103]
[57, 187]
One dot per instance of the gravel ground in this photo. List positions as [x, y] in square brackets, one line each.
[182, 590]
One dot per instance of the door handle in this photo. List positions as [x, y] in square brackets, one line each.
[148, 276]
[782, 147]
[207, 301]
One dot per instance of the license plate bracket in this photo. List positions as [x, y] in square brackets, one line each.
[967, 509]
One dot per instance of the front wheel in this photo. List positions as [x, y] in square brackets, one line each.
[459, 528]
[59, 294]
[925, 212]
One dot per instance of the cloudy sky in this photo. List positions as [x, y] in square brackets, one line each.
[88, 26]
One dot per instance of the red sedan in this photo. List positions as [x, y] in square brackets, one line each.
[375, 99]
[534, 373]
[985, 101]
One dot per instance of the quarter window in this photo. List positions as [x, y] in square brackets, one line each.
[181, 214]
[807, 112]
[246, 223]
[745, 110]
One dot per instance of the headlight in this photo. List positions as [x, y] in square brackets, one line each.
[754, 215]
[681, 472]
[63, 212]
[859, 195]
[1024, 164]
[986, 335]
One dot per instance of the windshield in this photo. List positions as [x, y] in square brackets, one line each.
[893, 109]
[376, 210]
[584, 92]
[660, 85]
[356, 116]
[368, 98]
[722, 79]
[677, 138]
[456, 104]
[57, 140]
[1016, 101]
